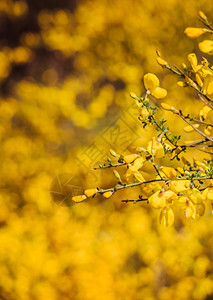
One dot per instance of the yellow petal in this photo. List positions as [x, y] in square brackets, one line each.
[79, 198]
[130, 158]
[159, 150]
[180, 170]
[204, 111]
[195, 196]
[190, 210]
[207, 130]
[208, 194]
[182, 199]
[170, 196]
[208, 85]
[200, 209]
[193, 60]
[144, 113]
[159, 93]
[157, 200]
[206, 46]
[198, 79]
[155, 148]
[139, 177]
[179, 185]
[128, 175]
[151, 81]
[205, 71]
[138, 163]
[181, 84]
[169, 172]
[192, 32]
[166, 216]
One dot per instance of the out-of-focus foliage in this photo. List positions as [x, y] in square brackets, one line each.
[66, 69]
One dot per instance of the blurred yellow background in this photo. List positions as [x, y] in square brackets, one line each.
[66, 70]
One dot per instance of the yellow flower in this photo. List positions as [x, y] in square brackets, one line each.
[144, 113]
[204, 111]
[166, 216]
[195, 196]
[150, 188]
[133, 170]
[155, 148]
[161, 198]
[137, 164]
[151, 83]
[193, 61]
[192, 32]
[79, 198]
[190, 208]
[206, 46]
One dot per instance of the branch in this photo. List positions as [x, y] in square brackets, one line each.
[196, 129]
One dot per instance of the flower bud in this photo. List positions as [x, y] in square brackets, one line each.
[193, 32]
[113, 153]
[166, 106]
[79, 198]
[161, 61]
[117, 175]
[206, 46]
[203, 16]
[133, 95]
[190, 128]
[90, 192]
[108, 194]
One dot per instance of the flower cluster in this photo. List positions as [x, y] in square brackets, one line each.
[205, 46]
[188, 187]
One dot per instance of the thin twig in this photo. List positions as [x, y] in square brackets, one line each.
[196, 129]
[204, 101]
[110, 166]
